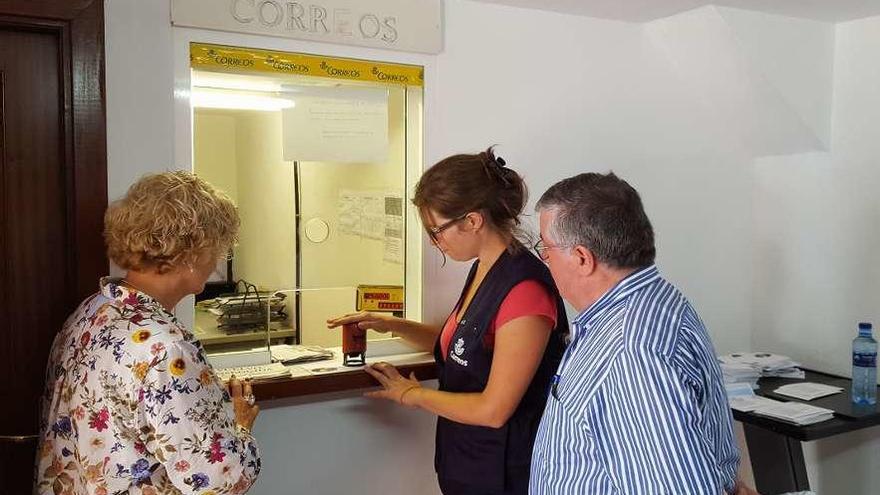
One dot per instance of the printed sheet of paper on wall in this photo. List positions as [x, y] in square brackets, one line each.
[393, 241]
[343, 125]
[362, 213]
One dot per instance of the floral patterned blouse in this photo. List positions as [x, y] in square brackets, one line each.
[132, 407]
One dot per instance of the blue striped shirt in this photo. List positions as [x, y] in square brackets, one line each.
[638, 405]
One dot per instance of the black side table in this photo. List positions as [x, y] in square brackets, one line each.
[775, 446]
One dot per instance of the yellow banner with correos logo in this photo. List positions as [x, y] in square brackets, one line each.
[234, 59]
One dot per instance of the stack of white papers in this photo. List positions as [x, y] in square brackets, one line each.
[741, 397]
[807, 390]
[751, 403]
[747, 367]
[740, 373]
[785, 373]
[795, 413]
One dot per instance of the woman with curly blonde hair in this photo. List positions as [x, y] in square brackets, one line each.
[131, 405]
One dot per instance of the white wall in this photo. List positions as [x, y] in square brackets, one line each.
[550, 90]
[139, 78]
[816, 263]
[694, 178]
[343, 444]
[562, 95]
[794, 58]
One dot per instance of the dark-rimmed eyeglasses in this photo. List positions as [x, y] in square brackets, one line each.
[541, 248]
[433, 232]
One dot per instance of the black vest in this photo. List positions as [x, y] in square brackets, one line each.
[494, 458]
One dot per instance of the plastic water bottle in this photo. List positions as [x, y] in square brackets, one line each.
[864, 374]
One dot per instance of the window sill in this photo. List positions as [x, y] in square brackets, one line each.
[331, 375]
[344, 380]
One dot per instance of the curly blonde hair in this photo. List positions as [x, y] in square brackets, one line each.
[167, 220]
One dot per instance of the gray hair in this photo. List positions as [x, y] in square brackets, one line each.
[603, 213]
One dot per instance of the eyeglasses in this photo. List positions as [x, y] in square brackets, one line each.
[541, 249]
[433, 232]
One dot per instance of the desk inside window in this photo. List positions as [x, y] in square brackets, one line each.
[216, 339]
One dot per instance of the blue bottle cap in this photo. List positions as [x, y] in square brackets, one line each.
[865, 326]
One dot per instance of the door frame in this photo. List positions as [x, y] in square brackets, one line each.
[80, 28]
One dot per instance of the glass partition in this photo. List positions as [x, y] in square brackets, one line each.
[318, 153]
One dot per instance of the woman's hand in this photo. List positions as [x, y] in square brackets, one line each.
[366, 320]
[242, 402]
[396, 387]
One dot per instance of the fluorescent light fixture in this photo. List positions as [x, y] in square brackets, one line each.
[232, 81]
[233, 100]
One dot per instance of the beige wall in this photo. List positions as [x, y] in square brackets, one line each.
[240, 152]
[266, 255]
[214, 153]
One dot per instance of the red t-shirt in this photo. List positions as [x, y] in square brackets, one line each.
[527, 298]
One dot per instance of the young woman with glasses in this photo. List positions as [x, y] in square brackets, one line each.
[502, 342]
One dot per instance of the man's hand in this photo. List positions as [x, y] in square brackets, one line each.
[742, 489]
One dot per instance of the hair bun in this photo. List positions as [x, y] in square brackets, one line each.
[495, 168]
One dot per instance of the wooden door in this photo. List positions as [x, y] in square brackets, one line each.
[53, 192]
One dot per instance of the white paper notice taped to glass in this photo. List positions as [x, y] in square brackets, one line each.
[342, 125]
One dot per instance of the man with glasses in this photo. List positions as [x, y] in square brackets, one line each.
[638, 404]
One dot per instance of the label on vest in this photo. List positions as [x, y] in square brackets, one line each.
[457, 351]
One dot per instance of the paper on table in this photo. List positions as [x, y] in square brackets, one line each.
[751, 403]
[741, 397]
[795, 412]
[807, 390]
[738, 389]
[299, 353]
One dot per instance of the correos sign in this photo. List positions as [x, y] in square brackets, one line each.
[408, 25]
